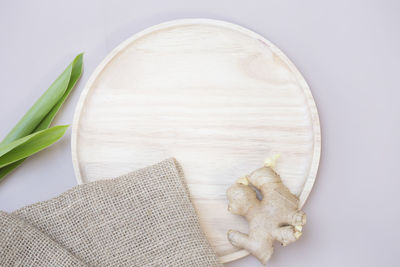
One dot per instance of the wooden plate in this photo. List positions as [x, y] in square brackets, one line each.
[217, 97]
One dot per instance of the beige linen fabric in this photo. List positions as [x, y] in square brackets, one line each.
[144, 218]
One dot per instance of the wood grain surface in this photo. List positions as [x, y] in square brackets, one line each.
[217, 97]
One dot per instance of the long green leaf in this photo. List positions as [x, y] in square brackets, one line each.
[33, 144]
[76, 73]
[9, 168]
[41, 108]
[4, 148]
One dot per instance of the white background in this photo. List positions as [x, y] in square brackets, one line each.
[348, 51]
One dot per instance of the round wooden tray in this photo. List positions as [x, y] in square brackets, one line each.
[217, 97]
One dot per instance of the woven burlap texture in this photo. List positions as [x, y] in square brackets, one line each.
[144, 218]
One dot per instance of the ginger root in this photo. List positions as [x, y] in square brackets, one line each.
[275, 217]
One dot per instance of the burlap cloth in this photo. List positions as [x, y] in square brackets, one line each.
[144, 218]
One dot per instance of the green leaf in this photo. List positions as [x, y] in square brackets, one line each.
[75, 75]
[30, 144]
[41, 108]
[4, 148]
[9, 168]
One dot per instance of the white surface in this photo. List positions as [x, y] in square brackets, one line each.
[214, 95]
[348, 52]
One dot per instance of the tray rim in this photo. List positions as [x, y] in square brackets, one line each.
[313, 170]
